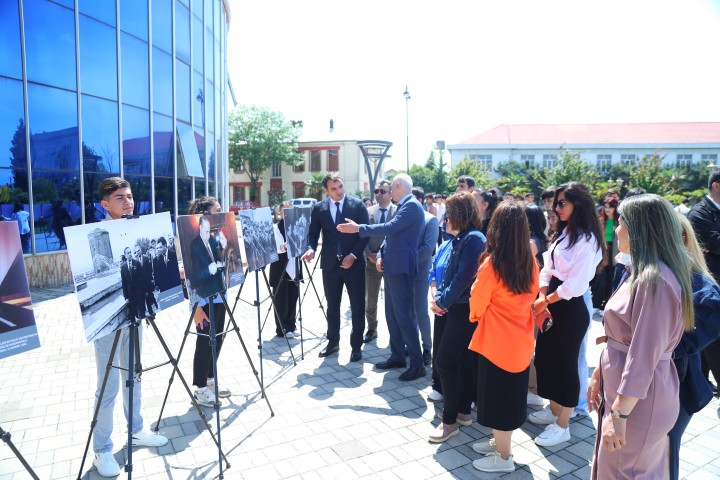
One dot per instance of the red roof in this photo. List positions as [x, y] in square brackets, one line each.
[622, 133]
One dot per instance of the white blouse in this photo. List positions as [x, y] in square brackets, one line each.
[574, 266]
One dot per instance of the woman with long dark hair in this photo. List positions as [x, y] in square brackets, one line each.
[487, 201]
[569, 265]
[537, 224]
[505, 288]
[602, 287]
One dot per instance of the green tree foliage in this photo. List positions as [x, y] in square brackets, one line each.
[569, 167]
[650, 175]
[314, 185]
[483, 177]
[518, 179]
[257, 138]
[423, 177]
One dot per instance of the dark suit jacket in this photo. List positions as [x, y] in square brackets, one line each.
[400, 255]
[705, 219]
[427, 243]
[132, 281]
[322, 220]
[202, 281]
[166, 276]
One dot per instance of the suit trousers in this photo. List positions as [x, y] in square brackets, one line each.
[333, 281]
[285, 301]
[203, 361]
[422, 309]
[402, 325]
[373, 278]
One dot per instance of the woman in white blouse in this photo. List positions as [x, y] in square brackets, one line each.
[569, 265]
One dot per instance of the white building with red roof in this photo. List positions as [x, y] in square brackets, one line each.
[602, 145]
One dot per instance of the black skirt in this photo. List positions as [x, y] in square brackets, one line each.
[501, 396]
[557, 350]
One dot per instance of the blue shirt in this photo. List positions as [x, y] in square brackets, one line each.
[440, 262]
[461, 269]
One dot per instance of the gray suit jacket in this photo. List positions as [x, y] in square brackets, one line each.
[374, 217]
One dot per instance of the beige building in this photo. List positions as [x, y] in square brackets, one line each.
[343, 156]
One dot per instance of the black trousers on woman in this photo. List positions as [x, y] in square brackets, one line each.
[438, 332]
[456, 363]
[286, 296]
[203, 362]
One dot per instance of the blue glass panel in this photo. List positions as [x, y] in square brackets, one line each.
[53, 128]
[163, 137]
[184, 195]
[210, 107]
[200, 140]
[135, 76]
[198, 100]
[134, 17]
[162, 82]
[12, 128]
[213, 192]
[197, 8]
[209, 11]
[162, 24]
[50, 43]
[182, 32]
[103, 10]
[140, 186]
[98, 59]
[11, 64]
[197, 45]
[56, 197]
[164, 195]
[182, 94]
[209, 67]
[136, 140]
[100, 135]
[200, 187]
[210, 146]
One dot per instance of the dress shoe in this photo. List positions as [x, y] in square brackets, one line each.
[412, 374]
[387, 364]
[370, 336]
[356, 356]
[427, 358]
[329, 349]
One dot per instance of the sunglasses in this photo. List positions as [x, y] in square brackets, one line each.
[380, 191]
[561, 203]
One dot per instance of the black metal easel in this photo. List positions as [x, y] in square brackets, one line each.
[5, 436]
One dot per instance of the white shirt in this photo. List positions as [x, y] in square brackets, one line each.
[280, 241]
[440, 211]
[333, 208]
[575, 266]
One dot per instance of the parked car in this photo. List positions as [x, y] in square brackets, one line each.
[242, 205]
[303, 202]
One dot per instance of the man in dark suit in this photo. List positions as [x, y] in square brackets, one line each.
[206, 279]
[342, 261]
[399, 262]
[132, 285]
[165, 265]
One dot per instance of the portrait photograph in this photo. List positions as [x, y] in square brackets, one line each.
[297, 226]
[18, 332]
[123, 269]
[258, 237]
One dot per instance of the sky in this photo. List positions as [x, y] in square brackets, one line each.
[470, 66]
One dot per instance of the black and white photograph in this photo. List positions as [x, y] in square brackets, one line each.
[258, 236]
[18, 332]
[211, 253]
[297, 226]
[123, 269]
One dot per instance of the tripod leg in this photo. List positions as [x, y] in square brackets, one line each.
[133, 359]
[108, 366]
[216, 406]
[237, 297]
[5, 436]
[272, 306]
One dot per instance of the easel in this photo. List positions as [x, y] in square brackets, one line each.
[312, 284]
[5, 436]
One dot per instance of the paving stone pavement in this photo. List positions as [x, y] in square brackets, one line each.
[332, 418]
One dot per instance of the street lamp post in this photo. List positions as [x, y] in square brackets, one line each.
[406, 94]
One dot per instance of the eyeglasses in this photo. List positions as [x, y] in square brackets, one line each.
[380, 191]
[561, 203]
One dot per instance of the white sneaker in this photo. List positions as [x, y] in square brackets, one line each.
[435, 396]
[205, 397]
[493, 462]
[148, 439]
[222, 393]
[485, 447]
[106, 464]
[289, 335]
[535, 400]
[553, 435]
[542, 417]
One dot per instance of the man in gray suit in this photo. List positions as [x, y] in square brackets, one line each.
[382, 212]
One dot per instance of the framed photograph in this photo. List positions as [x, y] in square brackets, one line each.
[211, 253]
[297, 226]
[18, 332]
[258, 236]
[123, 269]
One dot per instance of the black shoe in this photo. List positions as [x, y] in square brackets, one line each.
[356, 356]
[412, 374]
[331, 348]
[427, 358]
[370, 336]
[387, 364]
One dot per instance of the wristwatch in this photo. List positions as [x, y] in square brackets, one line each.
[617, 414]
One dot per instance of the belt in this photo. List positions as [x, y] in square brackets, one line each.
[621, 347]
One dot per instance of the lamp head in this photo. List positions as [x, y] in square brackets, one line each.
[406, 94]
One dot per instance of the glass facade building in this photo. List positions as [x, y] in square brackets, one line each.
[92, 89]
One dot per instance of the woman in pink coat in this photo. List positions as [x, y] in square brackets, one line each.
[635, 388]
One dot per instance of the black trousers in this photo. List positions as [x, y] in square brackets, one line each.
[333, 281]
[286, 295]
[711, 360]
[438, 331]
[455, 363]
[203, 362]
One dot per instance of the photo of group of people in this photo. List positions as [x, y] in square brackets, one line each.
[211, 253]
[258, 237]
[297, 226]
[122, 270]
[18, 332]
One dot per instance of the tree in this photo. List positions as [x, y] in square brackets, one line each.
[569, 167]
[258, 137]
[482, 176]
[517, 178]
[650, 175]
[422, 176]
[314, 185]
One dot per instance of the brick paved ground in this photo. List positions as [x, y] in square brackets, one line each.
[333, 419]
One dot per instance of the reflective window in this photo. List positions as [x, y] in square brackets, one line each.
[212, 188]
[100, 135]
[135, 79]
[184, 195]
[163, 146]
[200, 141]
[197, 44]
[210, 146]
[182, 94]
[94, 212]
[136, 141]
[210, 107]
[189, 160]
[198, 100]
[12, 128]
[162, 82]
[53, 128]
[208, 55]
[50, 43]
[182, 32]
[134, 17]
[11, 64]
[104, 11]
[200, 184]
[209, 12]
[164, 194]
[98, 59]
[197, 8]
[140, 186]
[162, 24]
[56, 205]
